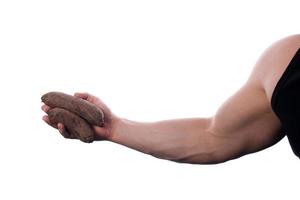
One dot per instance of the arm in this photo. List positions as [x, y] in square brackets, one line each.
[176, 139]
[243, 124]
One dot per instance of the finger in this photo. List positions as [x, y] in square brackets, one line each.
[89, 97]
[45, 108]
[46, 119]
[83, 95]
[101, 133]
[62, 130]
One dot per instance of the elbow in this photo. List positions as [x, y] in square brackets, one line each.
[207, 150]
[213, 151]
[208, 158]
[204, 158]
[193, 157]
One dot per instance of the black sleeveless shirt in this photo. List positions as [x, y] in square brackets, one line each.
[285, 102]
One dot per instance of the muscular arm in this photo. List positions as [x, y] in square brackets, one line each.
[243, 124]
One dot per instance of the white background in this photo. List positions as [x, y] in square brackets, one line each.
[148, 60]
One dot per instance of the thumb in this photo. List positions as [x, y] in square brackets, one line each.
[101, 132]
[82, 95]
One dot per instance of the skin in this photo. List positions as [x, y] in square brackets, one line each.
[245, 122]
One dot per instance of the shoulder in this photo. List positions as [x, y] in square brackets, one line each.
[273, 62]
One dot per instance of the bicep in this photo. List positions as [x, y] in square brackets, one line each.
[245, 123]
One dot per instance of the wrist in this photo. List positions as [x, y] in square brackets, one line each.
[116, 127]
[121, 130]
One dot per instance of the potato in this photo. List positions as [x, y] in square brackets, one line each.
[88, 111]
[75, 125]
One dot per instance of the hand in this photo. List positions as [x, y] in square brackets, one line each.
[101, 133]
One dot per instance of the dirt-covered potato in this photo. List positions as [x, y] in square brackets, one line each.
[75, 125]
[88, 111]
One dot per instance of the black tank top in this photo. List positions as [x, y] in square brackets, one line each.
[285, 102]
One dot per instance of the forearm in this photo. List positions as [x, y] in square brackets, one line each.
[182, 140]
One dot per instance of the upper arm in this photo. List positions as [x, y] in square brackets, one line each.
[245, 123]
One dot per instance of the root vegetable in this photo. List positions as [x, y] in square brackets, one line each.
[81, 107]
[75, 125]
